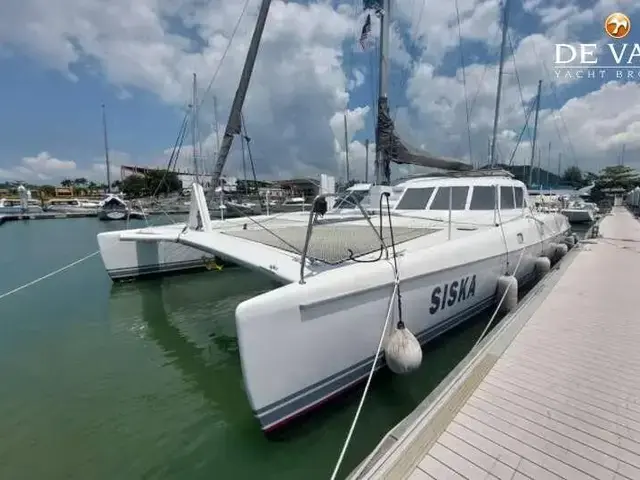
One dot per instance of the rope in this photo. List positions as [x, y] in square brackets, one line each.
[504, 295]
[394, 295]
[49, 275]
[504, 235]
[53, 273]
[370, 376]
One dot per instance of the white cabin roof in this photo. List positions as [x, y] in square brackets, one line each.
[460, 182]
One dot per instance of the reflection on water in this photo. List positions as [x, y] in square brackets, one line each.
[143, 380]
[191, 319]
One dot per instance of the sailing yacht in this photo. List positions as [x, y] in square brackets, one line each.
[24, 204]
[115, 208]
[448, 239]
[579, 211]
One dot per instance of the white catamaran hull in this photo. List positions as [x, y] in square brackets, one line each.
[125, 259]
[302, 344]
[305, 342]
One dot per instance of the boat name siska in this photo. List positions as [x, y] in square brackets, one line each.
[451, 293]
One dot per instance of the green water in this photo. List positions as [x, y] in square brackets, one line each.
[142, 380]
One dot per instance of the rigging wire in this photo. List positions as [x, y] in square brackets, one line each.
[224, 53]
[558, 113]
[464, 81]
[524, 128]
[515, 70]
[175, 152]
[247, 138]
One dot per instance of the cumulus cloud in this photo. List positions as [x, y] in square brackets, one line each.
[45, 168]
[310, 71]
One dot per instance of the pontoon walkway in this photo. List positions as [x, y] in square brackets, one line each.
[553, 393]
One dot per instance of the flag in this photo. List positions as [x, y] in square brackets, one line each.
[366, 31]
[375, 5]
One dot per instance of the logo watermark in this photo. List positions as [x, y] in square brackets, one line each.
[616, 60]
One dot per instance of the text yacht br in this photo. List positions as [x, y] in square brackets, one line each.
[587, 60]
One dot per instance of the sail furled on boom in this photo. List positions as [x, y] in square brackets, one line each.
[396, 150]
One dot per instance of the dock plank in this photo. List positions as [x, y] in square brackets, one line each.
[562, 400]
[486, 462]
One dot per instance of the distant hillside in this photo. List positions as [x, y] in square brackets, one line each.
[539, 176]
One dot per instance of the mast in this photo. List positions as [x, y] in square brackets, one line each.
[244, 165]
[194, 127]
[346, 144]
[539, 167]
[383, 90]
[216, 125]
[366, 161]
[549, 166]
[535, 132]
[559, 165]
[106, 147]
[496, 115]
[234, 122]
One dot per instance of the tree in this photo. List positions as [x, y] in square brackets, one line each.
[48, 190]
[590, 177]
[66, 183]
[614, 177]
[152, 182]
[573, 176]
[134, 186]
[162, 181]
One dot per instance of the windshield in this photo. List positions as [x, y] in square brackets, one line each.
[350, 199]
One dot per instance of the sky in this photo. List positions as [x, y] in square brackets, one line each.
[61, 60]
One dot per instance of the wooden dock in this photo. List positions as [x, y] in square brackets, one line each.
[552, 393]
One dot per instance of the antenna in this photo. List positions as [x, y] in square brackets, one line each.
[106, 147]
[346, 144]
[535, 132]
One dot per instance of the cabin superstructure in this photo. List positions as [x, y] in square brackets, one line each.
[462, 193]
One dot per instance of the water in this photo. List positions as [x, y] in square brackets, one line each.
[142, 380]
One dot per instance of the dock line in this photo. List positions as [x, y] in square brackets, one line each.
[53, 273]
[49, 275]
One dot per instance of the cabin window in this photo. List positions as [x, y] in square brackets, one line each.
[506, 198]
[483, 198]
[415, 198]
[458, 198]
[519, 197]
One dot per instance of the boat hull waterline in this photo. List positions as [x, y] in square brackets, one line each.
[126, 260]
[320, 335]
[349, 326]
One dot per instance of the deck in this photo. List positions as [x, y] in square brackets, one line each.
[552, 393]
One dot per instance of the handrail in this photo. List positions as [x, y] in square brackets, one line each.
[312, 216]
